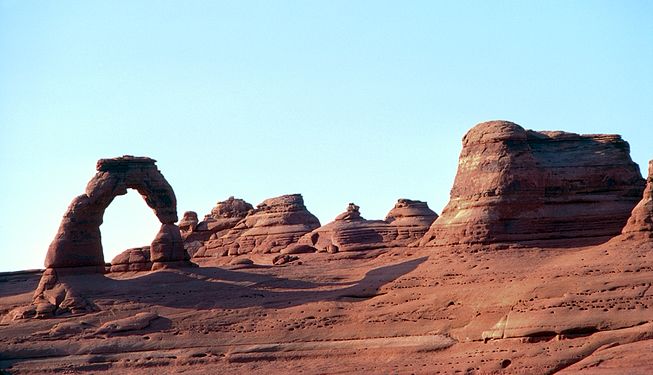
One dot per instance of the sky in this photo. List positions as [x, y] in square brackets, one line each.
[342, 101]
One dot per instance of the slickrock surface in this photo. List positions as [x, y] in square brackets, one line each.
[405, 223]
[78, 243]
[640, 223]
[272, 226]
[400, 310]
[517, 186]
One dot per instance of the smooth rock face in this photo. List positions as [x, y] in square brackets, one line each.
[224, 216]
[404, 224]
[517, 185]
[78, 241]
[273, 225]
[640, 223]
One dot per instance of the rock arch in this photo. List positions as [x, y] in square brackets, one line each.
[78, 242]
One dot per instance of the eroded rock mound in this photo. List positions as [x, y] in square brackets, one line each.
[404, 224]
[640, 223]
[224, 216]
[273, 225]
[517, 185]
[78, 241]
[135, 259]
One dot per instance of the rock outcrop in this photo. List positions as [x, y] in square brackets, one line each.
[224, 216]
[188, 223]
[78, 242]
[405, 223]
[135, 259]
[273, 225]
[640, 223]
[517, 185]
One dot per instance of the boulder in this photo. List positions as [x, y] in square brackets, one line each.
[521, 186]
[188, 223]
[135, 259]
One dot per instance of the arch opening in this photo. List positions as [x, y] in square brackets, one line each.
[78, 242]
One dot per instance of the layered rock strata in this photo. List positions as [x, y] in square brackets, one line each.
[135, 259]
[78, 241]
[640, 223]
[270, 227]
[224, 216]
[517, 185]
[404, 224]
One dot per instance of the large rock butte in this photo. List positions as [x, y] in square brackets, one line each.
[515, 185]
[640, 223]
[407, 222]
[78, 241]
[271, 226]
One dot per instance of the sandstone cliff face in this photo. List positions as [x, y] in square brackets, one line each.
[640, 223]
[517, 185]
[404, 224]
[272, 226]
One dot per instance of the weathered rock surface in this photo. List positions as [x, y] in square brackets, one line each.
[273, 225]
[413, 310]
[135, 259]
[224, 216]
[404, 224]
[517, 185]
[168, 245]
[78, 241]
[188, 223]
[640, 223]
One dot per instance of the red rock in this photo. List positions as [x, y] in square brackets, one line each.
[78, 243]
[298, 249]
[640, 223]
[405, 223]
[283, 259]
[168, 245]
[273, 225]
[518, 186]
[188, 223]
[224, 216]
[135, 259]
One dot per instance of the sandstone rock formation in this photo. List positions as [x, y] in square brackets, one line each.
[224, 216]
[188, 223]
[517, 185]
[273, 225]
[640, 223]
[404, 224]
[135, 259]
[78, 242]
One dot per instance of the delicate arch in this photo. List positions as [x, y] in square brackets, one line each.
[78, 242]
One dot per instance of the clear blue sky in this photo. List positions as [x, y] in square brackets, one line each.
[342, 101]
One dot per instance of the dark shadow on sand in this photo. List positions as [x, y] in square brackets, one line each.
[211, 287]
